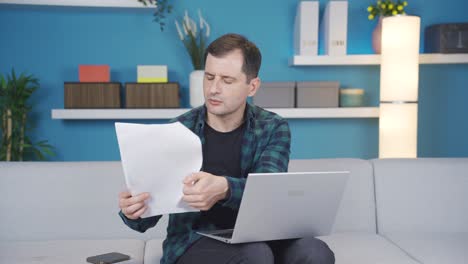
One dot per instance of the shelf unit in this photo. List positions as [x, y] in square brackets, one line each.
[289, 113]
[373, 59]
[85, 3]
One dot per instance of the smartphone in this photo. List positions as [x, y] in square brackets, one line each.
[108, 258]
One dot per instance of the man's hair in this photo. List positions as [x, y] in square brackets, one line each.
[231, 42]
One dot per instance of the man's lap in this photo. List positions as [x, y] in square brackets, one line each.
[207, 250]
[304, 250]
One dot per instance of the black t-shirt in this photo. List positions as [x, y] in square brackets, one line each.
[221, 157]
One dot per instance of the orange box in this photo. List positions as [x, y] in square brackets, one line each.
[94, 73]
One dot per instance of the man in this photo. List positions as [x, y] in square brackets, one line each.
[237, 139]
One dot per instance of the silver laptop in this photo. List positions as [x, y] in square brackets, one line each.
[286, 205]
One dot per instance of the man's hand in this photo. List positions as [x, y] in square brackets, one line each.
[202, 190]
[132, 206]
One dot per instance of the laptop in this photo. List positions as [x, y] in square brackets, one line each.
[285, 205]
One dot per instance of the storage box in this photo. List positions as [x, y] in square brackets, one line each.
[152, 74]
[334, 28]
[306, 28]
[94, 73]
[152, 95]
[91, 95]
[275, 94]
[446, 38]
[317, 94]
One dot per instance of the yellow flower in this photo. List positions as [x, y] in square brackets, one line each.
[386, 8]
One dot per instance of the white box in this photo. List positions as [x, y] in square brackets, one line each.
[306, 28]
[151, 73]
[335, 27]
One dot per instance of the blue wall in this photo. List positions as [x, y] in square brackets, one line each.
[50, 42]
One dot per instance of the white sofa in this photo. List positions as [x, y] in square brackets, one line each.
[393, 211]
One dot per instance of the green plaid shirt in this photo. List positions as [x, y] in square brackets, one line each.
[265, 148]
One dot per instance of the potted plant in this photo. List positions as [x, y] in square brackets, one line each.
[162, 7]
[382, 9]
[15, 143]
[195, 41]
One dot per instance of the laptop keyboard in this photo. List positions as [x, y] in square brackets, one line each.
[224, 234]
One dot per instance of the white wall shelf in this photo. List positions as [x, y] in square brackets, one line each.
[88, 3]
[166, 113]
[373, 59]
[438, 58]
[356, 112]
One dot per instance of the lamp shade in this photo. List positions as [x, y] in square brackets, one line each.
[399, 74]
[399, 68]
[398, 130]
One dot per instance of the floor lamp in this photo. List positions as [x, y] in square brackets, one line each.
[399, 74]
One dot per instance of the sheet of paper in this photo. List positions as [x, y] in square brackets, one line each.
[155, 159]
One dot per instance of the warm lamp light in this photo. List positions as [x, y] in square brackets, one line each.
[399, 74]
[398, 130]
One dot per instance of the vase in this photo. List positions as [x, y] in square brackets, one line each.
[377, 37]
[197, 97]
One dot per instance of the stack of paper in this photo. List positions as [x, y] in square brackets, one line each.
[156, 159]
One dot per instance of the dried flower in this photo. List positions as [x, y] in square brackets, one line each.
[194, 39]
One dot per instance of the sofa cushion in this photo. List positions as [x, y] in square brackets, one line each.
[433, 248]
[357, 208]
[64, 200]
[365, 248]
[68, 251]
[153, 250]
[421, 195]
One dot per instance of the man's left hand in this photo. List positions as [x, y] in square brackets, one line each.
[202, 190]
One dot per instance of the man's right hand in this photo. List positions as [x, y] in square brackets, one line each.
[133, 206]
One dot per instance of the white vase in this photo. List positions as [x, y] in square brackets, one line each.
[196, 88]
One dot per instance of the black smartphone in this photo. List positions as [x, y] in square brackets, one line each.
[108, 258]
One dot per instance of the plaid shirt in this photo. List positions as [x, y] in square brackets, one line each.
[265, 148]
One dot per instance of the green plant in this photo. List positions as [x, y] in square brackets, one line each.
[194, 39]
[15, 144]
[162, 7]
[386, 8]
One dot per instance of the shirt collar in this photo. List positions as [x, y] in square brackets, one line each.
[248, 113]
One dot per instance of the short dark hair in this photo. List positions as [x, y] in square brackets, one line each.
[230, 42]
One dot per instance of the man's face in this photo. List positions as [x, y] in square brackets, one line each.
[225, 85]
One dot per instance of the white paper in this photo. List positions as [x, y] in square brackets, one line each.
[156, 159]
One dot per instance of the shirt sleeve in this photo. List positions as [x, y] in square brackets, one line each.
[140, 224]
[274, 158]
